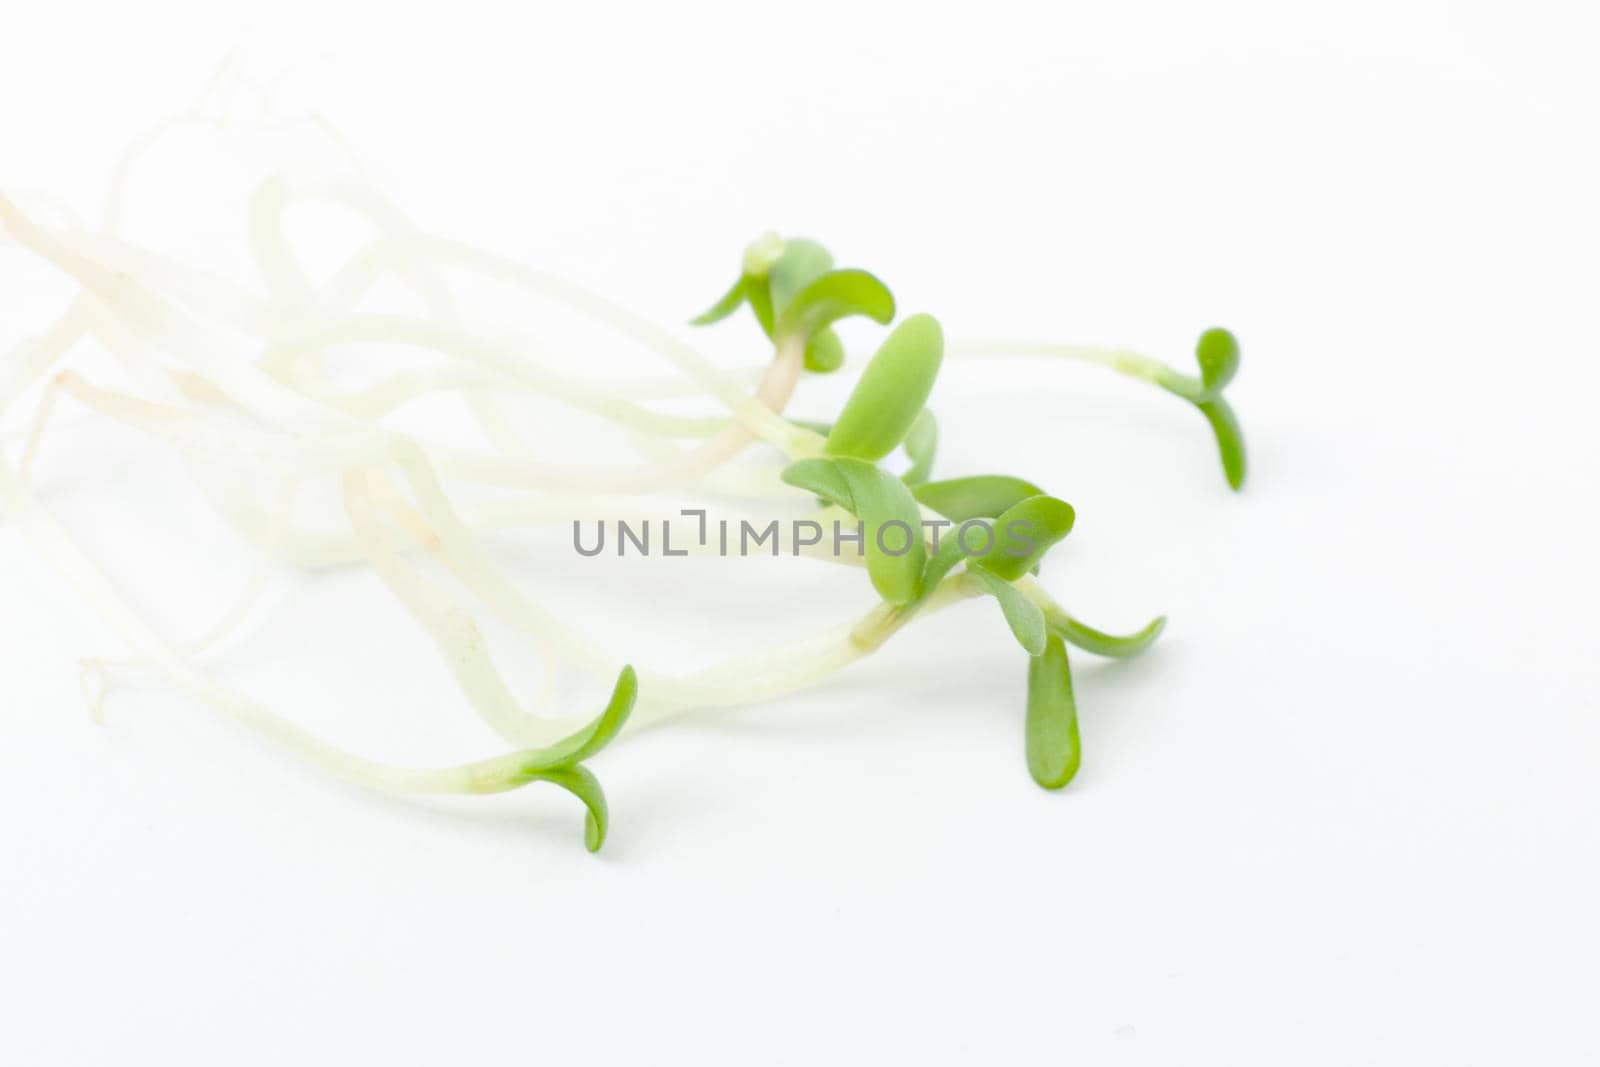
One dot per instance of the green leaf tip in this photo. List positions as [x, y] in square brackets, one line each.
[1053, 748]
[891, 393]
[579, 746]
[824, 352]
[1101, 643]
[1217, 352]
[1023, 533]
[1230, 439]
[725, 306]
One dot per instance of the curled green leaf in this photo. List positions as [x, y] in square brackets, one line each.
[595, 736]
[726, 305]
[891, 524]
[760, 297]
[1023, 533]
[976, 497]
[1230, 439]
[824, 352]
[891, 393]
[922, 442]
[581, 783]
[1053, 747]
[1101, 643]
[561, 764]
[835, 295]
[1022, 615]
[823, 478]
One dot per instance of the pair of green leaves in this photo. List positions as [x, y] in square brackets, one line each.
[1217, 352]
[794, 292]
[561, 764]
[887, 406]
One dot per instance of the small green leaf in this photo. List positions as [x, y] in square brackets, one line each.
[878, 499]
[824, 352]
[561, 763]
[597, 735]
[834, 296]
[1100, 643]
[1023, 533]
[1230, 438]
[977, 497]
[581, 783]
[760, 297]
[802, 262]
[727, 305]
[1218, 355]
[891, 393]
[1053, 748]
[922, 442]
[1022, 615]
[822, 477]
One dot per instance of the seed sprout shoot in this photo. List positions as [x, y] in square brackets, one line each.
[235, 379]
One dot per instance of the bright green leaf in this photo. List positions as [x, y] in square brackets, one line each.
[975, 497]
[892, 525]
[1023, 533]
[1022, 615]
[593, 737]
[727, 305]
[1230, 439]
[822, 477]
[834, 296]
[1100, 643]
[824, 352]
[891, 393]
[1053, 748]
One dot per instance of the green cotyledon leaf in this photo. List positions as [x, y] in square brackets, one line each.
[1217, 352]
[561, 764]
[1230, 439]
[1023, 533]
[1022, 615]
[725, 306]
[835, 295]
[891, 523]
[595, 736]
[1099, 642]
[824, 352]
[1053, 748]
[891, 393]
[976, 497]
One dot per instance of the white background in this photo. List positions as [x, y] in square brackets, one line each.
[1344, 812]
